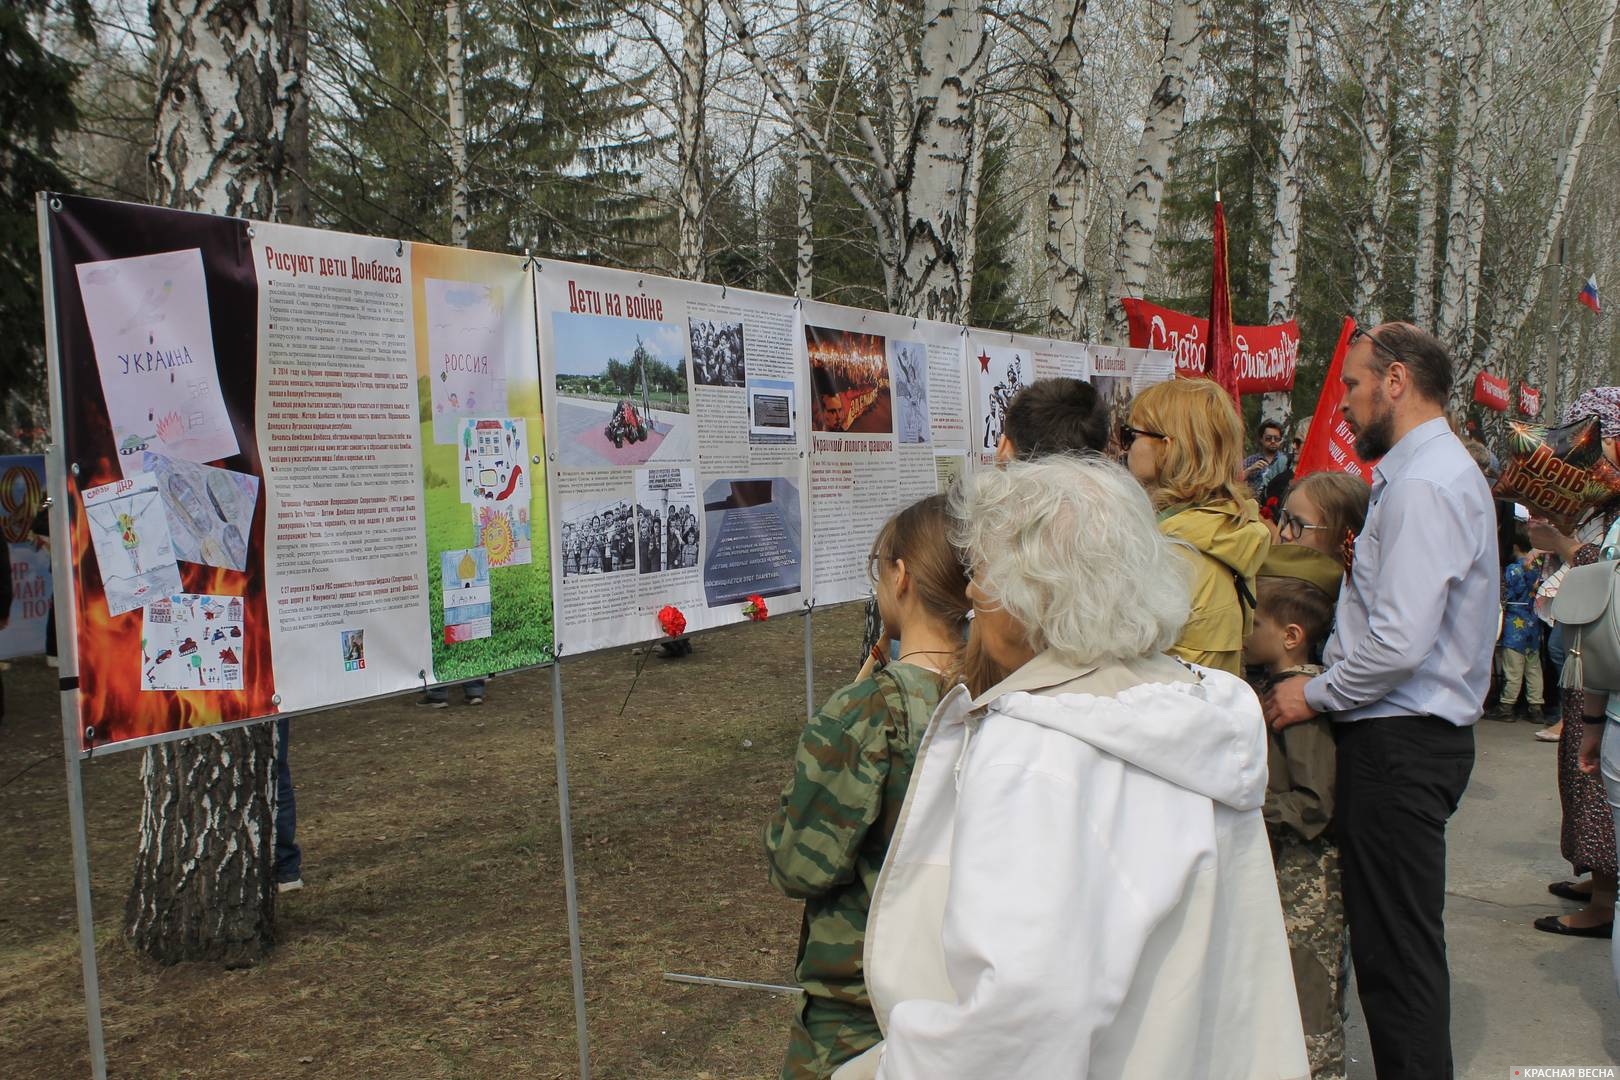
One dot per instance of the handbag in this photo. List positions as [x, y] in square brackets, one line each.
[1588, 607]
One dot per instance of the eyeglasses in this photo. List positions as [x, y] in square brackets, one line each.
[874, 565]
[1128, 435]
[1359, 333]
[1290, 527]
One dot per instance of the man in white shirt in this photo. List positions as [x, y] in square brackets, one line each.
[1408, 667]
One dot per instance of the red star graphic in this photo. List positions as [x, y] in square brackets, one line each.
[984, 362]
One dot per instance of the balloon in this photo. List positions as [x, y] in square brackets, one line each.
[1559, 473]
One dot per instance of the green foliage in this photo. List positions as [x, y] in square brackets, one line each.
[36, 89]
[552, 143]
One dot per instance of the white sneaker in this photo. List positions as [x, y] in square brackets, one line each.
[290, 886]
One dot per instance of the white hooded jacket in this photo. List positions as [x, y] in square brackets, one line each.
[1080, 885]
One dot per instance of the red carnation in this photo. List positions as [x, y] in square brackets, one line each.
[754, 608]
[671, 619]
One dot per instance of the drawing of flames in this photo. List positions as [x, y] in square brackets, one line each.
[109, 655]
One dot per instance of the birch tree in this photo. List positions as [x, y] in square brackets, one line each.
[1428, 169]
[1067, 209]
[1144, 192]
[805, 158]
[203, 887]
[915, 201]
[690, 253]
[1289, 181]
[1506, 328]
[455, 84]
[1465, 202]
[1374, 128]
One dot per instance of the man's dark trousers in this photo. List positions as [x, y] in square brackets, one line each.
[1399, 779]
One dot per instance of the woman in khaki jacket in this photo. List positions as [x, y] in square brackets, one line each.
[1184, 443]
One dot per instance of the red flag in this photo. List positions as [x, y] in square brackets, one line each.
[1491, 391]
[1220, 364]
[1330, 445]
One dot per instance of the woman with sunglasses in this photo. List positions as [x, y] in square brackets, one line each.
[1184, 444]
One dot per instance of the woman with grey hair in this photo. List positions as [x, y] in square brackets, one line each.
[1080, 884]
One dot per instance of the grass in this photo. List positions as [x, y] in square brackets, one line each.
[432, 938]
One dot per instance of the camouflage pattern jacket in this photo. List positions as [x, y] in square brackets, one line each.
[826, 842]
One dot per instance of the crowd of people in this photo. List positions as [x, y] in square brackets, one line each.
[667, 542]
[717, 352]
[1139, 753]
[602, 543]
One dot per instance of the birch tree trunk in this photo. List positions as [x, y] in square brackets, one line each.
[295, 178]
[931, 207]
[1299, 48]
[1375, 166]
[1166, 116]
[1465, 200]
[1428, 170]
[690, 254]
[804, 188]
[970, 211]
[1067, 285]
[203, 887]
[456, 92]
[1507, 328]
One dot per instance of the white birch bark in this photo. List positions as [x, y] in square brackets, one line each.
[970, 211]
[950, 64]
[805, 259]
[1166, 116]
[1067, 209]
[1507, 327]
[456, 107]
[202, 886]
[1374, 128]
[1465, 200]
[690, 255]
[1423, 277]
[1299, 48]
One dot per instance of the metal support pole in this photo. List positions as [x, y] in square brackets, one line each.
[809, 669]
[570, 890]
[81, 890]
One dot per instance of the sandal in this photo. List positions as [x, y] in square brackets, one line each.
[1570, 890]
[1553, 924]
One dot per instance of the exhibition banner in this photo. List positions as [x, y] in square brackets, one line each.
[1266, 356]
[22, 493]
[677, 421]
[888, 426]
[263, 517]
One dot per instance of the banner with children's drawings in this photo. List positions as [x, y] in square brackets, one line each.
[306, 468]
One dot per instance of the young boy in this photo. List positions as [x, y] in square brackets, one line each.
[1521, 631]
[1291, 619]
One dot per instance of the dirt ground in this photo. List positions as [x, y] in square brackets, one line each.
[431, 940]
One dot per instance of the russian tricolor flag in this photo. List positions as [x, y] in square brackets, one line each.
[1589, 295]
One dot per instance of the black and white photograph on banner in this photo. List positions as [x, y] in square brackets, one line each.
[622, 397]
[753, 540]
[911, 389]
[849, 382]
[666, 520]
[598, 537]
[772, 412]
[717, 353]
[999, 373]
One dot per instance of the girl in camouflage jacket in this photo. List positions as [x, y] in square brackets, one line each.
[826, 842]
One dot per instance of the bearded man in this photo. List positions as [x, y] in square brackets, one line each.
[1408, 666]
